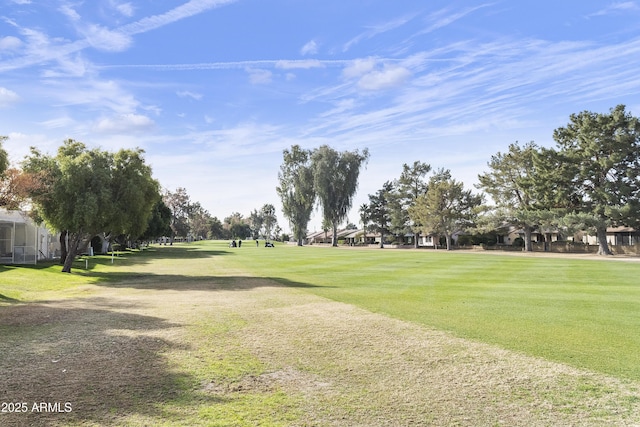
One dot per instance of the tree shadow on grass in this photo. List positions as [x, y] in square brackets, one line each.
[88, 365]
[4, 298]
[192, 283]
[152, 254]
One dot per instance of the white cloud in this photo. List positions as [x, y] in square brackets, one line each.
[125, 123]
[126, 9]
[257, 76]
[70, 13]
[186, 10]
[104, 39]
[617, 8]
[59, 122]
[443, 17]
[359, 67]
[389, 77]
[10, 43]
[8, 97]
[377, 29]
[188, 94]
[311, 48]
[305, 64]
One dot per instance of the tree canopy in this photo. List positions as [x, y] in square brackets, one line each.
[379, 210]
[509, 182]
[601, 173]
[84, 192]
[296, 190]
[446, 209]
[336, 181]
[411, 185]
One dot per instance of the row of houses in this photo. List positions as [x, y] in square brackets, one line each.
[357, 237]
[616, 236]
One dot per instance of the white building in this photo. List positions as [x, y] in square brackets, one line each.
[24, 242]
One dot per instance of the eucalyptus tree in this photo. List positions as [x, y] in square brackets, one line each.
[336, 181]
[199, 221]
[510, 183]
[602, 173]
[446, 209]
[296, 190]
[179, 203]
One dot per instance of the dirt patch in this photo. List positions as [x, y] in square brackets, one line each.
[289, 379]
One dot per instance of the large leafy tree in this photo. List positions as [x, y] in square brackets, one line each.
[379, 210]
[336, 181]
[179, 202]
[446, 209]
[296, 190]
[510, 183]
[601, 176]
[159, 222]
[134, 193]
[199, 221]
[236, 226]
[75, 195]
[411, 185]
[216, 231]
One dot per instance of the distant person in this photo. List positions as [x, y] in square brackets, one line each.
[257, 243]
[239, 243]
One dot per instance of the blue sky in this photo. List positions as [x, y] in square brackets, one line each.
[214, 90]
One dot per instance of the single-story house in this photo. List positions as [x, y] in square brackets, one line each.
[24, 242]
[326, 236]
[617, 236]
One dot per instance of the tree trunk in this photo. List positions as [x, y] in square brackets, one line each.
[547, 242]
[299, 241]
[334, 238]
[448, 239]
[528, 246]
[381, 239]
[63, 246]
[416, 237]
[74, 241]
[603, 247]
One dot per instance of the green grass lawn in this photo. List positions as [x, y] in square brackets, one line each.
[582, 312]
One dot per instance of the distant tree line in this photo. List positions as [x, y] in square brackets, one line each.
[588, 182]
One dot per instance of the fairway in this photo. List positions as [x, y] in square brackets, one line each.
[577, 310]
[208, 335]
